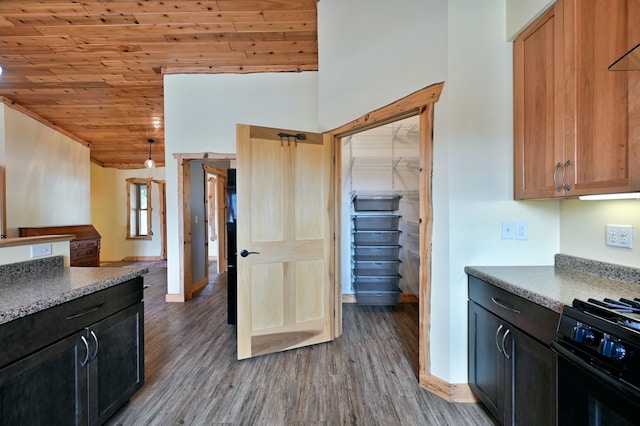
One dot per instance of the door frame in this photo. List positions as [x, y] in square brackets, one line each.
[162, 199]
[419, 103]
[184, 227]
[219, 203]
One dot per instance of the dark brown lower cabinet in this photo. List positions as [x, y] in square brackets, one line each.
[82, 379]
[48, 387]
[511, 372]
[117, 371]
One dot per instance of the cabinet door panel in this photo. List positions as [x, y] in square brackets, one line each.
[485, 362]
[597, 132]
[530, 380]
[117, 371]
[538, 107]
[46, 388]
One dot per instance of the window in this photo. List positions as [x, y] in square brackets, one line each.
[139, 209]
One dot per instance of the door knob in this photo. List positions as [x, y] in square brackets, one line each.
[245, 253]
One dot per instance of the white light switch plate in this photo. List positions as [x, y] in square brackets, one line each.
[522, 230]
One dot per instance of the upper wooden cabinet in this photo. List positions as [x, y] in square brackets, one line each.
[577, 124]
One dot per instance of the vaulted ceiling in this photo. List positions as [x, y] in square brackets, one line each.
[94, 69]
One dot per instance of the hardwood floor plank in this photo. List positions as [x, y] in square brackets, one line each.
[368, 376]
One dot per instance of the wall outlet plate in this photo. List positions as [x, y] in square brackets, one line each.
[619, 236]
[507, 230]
[40, 250]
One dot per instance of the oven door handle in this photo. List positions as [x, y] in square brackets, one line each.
[620, 386]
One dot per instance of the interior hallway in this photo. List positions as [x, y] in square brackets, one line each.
[365, 377]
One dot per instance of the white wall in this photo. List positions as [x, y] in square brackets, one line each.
[461, 42]
[373, 52]
[22, 253]
[47, 176]
[109, 213]
[201, 113]
[582, 225]
[520, 13]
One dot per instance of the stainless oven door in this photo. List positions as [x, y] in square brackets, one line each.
[589, 396]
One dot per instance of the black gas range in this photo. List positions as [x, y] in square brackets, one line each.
[598, 352]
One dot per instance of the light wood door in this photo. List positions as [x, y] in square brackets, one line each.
[285, 213]
[538, 101]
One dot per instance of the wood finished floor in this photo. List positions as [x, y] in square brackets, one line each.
[366, 377]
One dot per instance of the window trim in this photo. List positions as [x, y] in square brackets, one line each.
[132, 183]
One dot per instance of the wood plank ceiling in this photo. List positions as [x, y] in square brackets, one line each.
[94, 68]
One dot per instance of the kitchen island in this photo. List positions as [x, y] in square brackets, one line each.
[72, 341]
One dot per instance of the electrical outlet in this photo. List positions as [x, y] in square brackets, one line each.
[619, 236]
[40, 250]
[507, 230]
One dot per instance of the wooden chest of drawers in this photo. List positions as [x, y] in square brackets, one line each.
[84, 249]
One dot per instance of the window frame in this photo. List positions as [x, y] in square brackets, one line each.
[135, 212]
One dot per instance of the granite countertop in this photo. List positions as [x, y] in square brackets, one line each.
[41, 289]
[557, 285]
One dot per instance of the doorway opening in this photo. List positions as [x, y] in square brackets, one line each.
[420, 103]
[380, 168]
[193, 218]
[380, 220]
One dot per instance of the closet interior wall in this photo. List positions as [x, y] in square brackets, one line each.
[384, 161]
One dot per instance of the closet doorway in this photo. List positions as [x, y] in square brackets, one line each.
[381, 166]
[420, 104]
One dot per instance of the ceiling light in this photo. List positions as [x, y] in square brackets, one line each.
[149, 163]
[621, 196]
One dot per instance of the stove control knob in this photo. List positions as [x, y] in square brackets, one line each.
[612, 349]
[582, 334]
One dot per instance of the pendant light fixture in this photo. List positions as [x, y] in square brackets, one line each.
[149, 163]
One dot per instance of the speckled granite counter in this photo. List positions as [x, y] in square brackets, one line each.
[557, 285]
[48, 284]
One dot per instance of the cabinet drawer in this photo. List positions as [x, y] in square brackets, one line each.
[78, 244]
[28, 334]
[87, 251]
[85, 261]
[534, 319]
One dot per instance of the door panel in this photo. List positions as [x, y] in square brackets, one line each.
[285, 287]
[308, 295]
[267, 291]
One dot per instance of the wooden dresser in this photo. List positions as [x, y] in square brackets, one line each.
[84, 249]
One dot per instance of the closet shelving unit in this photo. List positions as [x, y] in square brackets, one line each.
[375, 245]
[383, 177]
